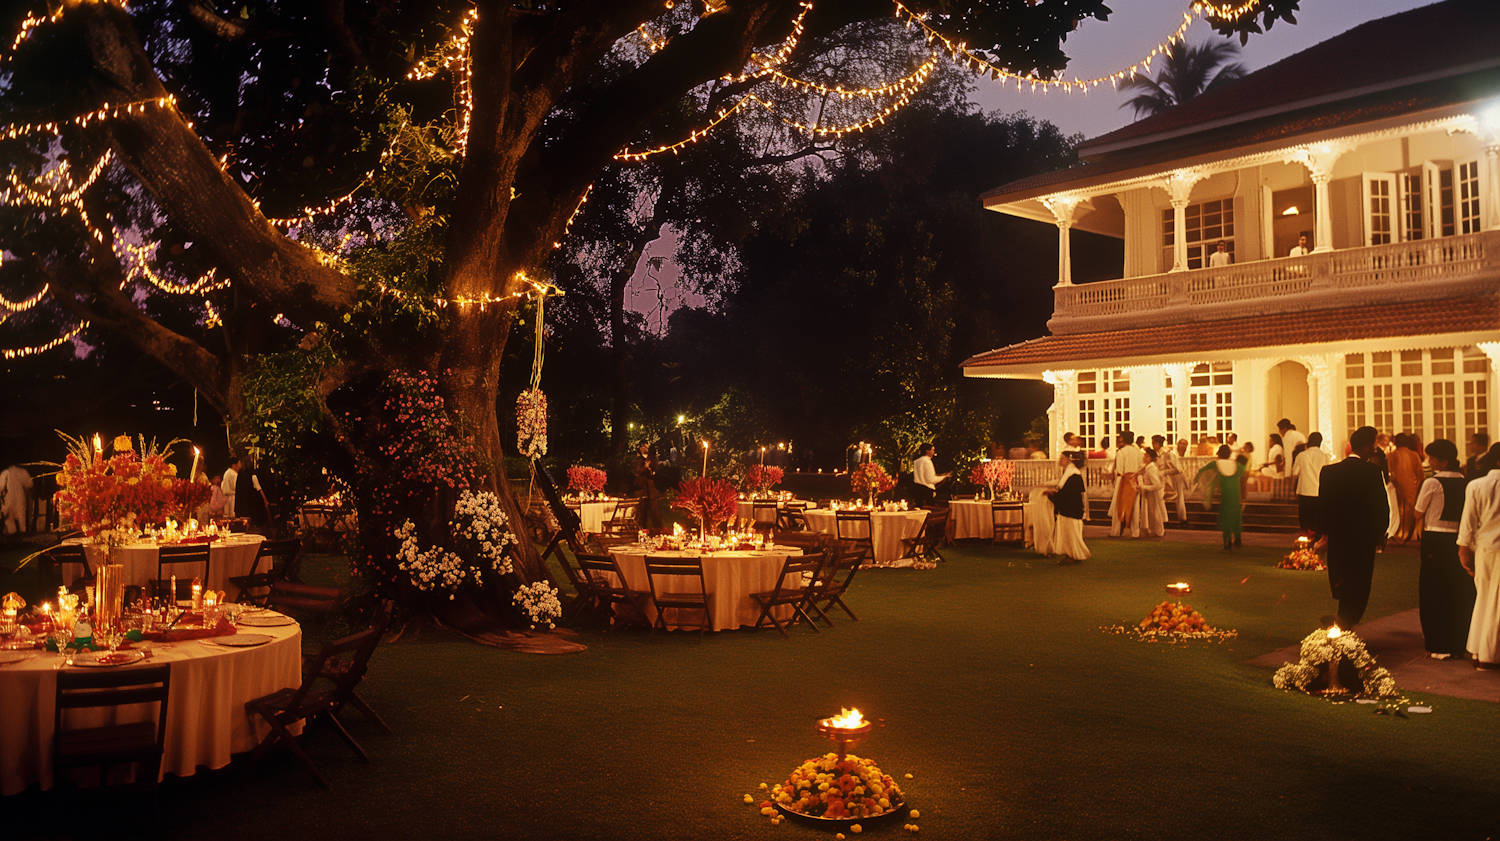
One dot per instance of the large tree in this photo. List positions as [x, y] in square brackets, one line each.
[208, 121]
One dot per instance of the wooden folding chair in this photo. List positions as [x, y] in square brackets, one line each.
[50, 567]
[923, 549]
[767, 509]
[625, 522]
[170, 560]
[306, 703]
[793, 587]
[1007, 522]
[807, 541]
[669, 567]
[112, 744]
[607, 587]
[289, 552]
[289, 595]
[834, 579]
[792, 517]
[335, 668]
[846, 527]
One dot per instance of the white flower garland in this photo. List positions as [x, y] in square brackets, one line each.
[481, 518]
[539, 602]
[435, 569]
[478, 519]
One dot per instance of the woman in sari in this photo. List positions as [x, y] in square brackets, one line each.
[1226, 475]
[1405, 463]
[1068, 498]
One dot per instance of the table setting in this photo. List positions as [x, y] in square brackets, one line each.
[890, 523]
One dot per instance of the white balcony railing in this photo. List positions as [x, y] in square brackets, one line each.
[1404, 271]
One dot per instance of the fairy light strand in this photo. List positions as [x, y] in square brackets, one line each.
[484, 301]
[22, 306]
[765, 64]
[17, 353]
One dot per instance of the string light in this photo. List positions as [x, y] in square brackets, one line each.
[135, 257]
[652, 43]
[536, 289]
[28, 26]
[574, 215]
[16, 353]
[106, 112]
[768, 63]
[60, 177]
[22, 306]
[917, 78]
[724, 114]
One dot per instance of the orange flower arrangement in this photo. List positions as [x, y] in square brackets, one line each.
[1173, 622]
[837, 789]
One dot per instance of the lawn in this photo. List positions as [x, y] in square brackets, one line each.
[991, 682]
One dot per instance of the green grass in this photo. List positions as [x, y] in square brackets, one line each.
[992, 684]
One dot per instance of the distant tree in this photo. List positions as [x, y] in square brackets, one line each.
[1185, 72]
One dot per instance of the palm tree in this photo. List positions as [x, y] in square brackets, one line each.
[1186, 72]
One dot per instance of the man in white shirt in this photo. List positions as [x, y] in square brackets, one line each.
[1290, 437]
[1300, 249]
[1306, 468]
[1128, 462]
[1172, 473]
[1479, 552]
[925, 475]
[231, 477]
[1220, 257]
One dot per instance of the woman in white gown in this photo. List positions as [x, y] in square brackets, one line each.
[1151, 504]
[1069, 500]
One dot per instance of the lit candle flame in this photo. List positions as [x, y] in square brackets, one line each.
[847, 719]
[1335, 632]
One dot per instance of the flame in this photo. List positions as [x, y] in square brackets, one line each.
[1181, 585]
[1335, 632]
[847, 719]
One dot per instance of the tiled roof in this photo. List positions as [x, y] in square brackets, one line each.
[1464, 315]
[1420, 41]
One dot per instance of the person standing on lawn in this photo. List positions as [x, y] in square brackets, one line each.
[1071, 505]
[1479, 552]
[1228, 474]
[1445, 589]
[1354, 513]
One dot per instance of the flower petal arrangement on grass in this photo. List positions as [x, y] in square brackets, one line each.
[586, 479]
[1302, 559]
[836, 789]
[1322, 647]
[1173, 622]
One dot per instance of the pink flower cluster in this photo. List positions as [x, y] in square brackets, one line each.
[994, 474]
[583, 478]
[761, 479]
[709, 501]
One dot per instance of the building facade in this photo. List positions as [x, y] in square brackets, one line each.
[1382, 159]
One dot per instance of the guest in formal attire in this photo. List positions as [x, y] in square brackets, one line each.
[1300, 249]
[1479, 552]
[1151, 507]
[1382, 461]
[643, 487]
[1128, 461]
[1405, 464]
[925, 475]
[1174, 473]
[1275, 467]
[1445, 589]
[1068, 500]
[1479, 442]
[214, 508]
[1306, 467]
[1221, 256]
[231, 481]
[1227, 475]
[1354, 513]
[1290, 439]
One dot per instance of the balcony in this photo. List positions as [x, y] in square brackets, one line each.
[1399, 272]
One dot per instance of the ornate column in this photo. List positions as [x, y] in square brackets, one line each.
[1324, 369]
[1062, 208]
[1490, 206]
[1179, 186]
[1063, 384]
[1319, 161]
[1492, 350]
[1180, 400]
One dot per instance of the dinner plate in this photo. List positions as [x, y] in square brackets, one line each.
[242, 640]
[8, 657]
[266, 620]
[107, 658]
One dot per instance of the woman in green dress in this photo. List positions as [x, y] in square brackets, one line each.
[1227, 476]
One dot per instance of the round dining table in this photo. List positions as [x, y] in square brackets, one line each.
[729, 577]
[595, 513]
[976, 517]
[890, 528]
[206, 717]
[228, 557]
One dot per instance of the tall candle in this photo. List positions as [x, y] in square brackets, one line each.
[197, 594]
[193, 474]
[705, 459]
[762, 456]
[98, 445]
[172, 594]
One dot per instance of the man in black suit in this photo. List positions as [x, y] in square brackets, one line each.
[1355, 513]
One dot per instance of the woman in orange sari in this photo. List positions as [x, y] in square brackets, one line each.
[1405, 463]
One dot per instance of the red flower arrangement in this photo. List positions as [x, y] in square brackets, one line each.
[870, 478]
[761, 479]
[709, 501]
[188, 496]
[587, 479]
[122, 492]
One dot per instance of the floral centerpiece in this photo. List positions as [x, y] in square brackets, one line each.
[760, 479]
[1320, 655]
[1304, 557]
[479, 538]
[111, 498]
[586, 479]
[538, 601]
[994, 474]
[531, 423]
[1173, 621]
[709, 501]
[870, 478]
[188, 496]
[834, 788]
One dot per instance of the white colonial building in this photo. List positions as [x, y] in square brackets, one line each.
[1380, 146]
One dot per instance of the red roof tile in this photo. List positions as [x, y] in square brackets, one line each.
[1463, 315]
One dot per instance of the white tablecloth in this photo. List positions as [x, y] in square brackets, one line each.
[229, 557]
[728, 577]
[975, 518]
[595, 514]
[745, 508]
[206, 717]
[890, 528]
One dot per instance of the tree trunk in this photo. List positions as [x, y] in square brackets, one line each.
[619, 423]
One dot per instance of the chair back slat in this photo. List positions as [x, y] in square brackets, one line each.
[91, 688]
[844, 522]
[172, 556]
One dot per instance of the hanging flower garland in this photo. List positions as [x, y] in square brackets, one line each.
[531, 423]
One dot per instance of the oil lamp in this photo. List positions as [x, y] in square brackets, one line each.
[848, 728]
